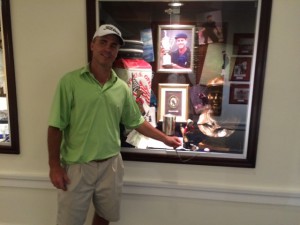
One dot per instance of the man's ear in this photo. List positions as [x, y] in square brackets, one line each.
[92, 45]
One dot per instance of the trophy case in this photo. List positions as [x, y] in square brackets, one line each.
[213, 87]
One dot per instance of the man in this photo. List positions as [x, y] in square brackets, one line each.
[209, 29]
[84, 136]
[181, 58]
[215, 94]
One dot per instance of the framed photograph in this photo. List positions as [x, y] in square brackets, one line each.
[175, 48]
[211, 28]
[173, 99]
[243, 43]
[9, 125]
[240, 68]
[239, 94]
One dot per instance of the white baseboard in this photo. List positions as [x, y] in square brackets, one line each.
[173, 190]
[214, 193]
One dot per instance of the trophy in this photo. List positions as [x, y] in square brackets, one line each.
[167, 44]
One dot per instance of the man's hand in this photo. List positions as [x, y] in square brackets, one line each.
[173, 141]
[59, 177]
[148, 130]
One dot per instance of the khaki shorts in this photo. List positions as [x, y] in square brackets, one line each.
[99, 182]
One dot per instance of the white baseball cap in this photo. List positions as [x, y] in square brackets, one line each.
[106, 29]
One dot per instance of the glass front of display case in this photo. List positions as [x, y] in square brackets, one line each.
[196, 70]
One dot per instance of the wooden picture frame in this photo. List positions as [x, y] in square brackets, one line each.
[240, 68]
[243, 43]
[239, 94]
[9, 143]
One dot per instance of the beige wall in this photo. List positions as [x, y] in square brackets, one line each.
[50, 39]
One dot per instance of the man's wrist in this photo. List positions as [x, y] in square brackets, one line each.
[54, 164]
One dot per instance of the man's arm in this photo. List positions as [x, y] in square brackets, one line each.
[57, 174]
[148, 130]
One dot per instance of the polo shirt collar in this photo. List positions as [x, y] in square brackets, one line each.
[86, 70]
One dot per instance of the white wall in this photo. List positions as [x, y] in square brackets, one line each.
[50, 39]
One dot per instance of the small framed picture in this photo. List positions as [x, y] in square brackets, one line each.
[211, 29]
[240, 68]
[243, 43]
[173, 99]
[239, 94]
[175, 51]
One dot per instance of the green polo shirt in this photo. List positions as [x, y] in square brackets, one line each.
[89, 115]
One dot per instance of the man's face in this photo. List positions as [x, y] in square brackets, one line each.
[105, 49]
[181, 42]
[215, 95]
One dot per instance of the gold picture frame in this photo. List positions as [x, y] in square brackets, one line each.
[168, 47]
[173, 99]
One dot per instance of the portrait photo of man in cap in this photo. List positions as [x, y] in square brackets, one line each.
[176, 48]
[181, 57]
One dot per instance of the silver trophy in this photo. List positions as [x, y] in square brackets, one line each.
[167, 44]
[169, 124]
